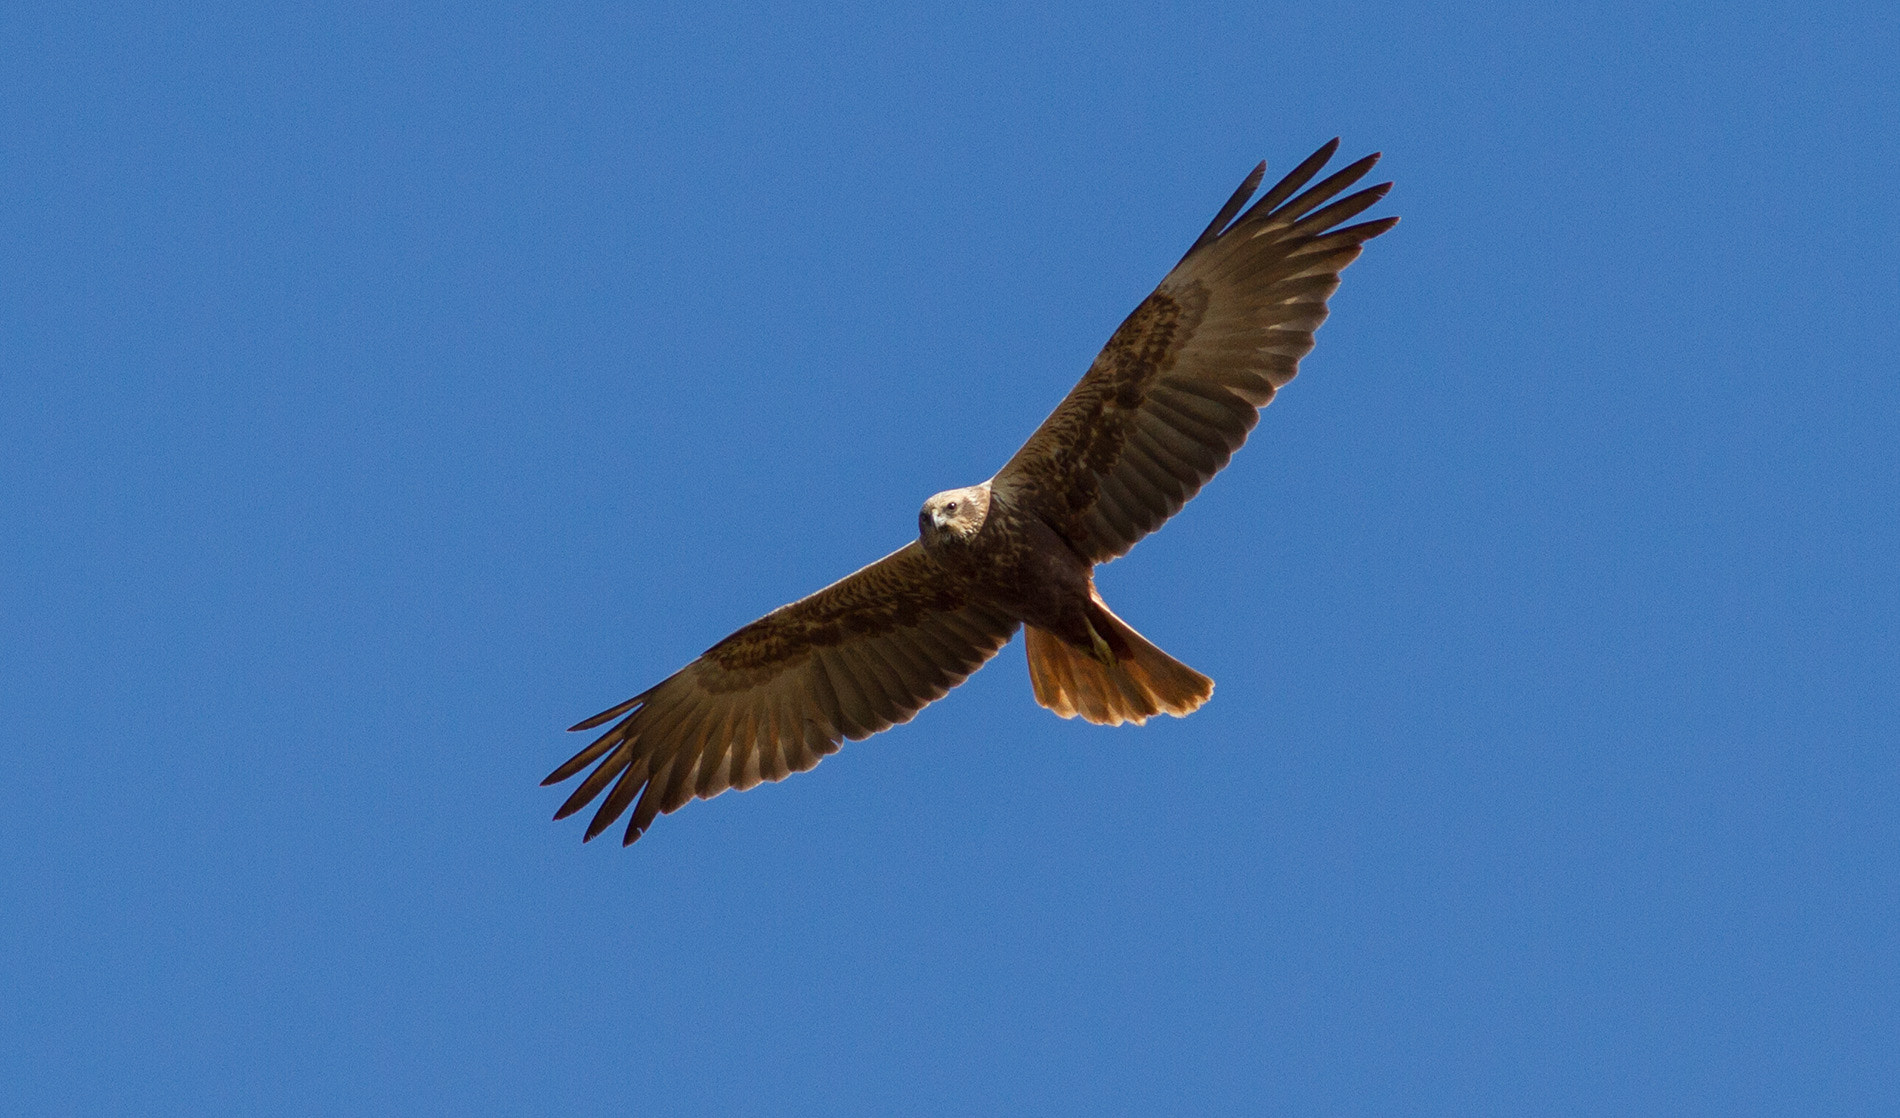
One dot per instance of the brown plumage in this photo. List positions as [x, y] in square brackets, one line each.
[1168, 400]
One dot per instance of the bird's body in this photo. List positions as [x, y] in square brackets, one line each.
[1008, 558]
[1162, 408]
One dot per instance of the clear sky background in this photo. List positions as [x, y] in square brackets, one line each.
[384, 391]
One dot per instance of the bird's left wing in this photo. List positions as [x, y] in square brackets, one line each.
[1182, 381]
[863, 654]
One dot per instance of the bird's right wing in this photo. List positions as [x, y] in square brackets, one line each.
[1176, 389]
[866, 652]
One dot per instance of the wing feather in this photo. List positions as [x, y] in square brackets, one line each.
[920, 677]
[1296, 178]
[855, 692]
[1179, 386]
[735, 731]
[1185, 456]
[935, 648]
[631, 781]
[1155, 474]
[874, 665]
[1113, 502]
[824, 702]
[1345, 209]
[1324, 191]
[866, 652]
[582, 759]
[774, 763]
[1201, 423]
[644, 812]
[596, 780]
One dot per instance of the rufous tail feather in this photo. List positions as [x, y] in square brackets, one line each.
[1132, 683]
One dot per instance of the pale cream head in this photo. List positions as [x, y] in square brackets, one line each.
[955, 515]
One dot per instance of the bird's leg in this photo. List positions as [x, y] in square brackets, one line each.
[1099, 647]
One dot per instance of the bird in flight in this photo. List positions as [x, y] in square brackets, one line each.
[1162, 408]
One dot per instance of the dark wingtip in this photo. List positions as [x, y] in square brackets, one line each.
[581, 760]
[1293, 180]
[609, 714]
[1226, 215]
[1366, 230]
[1356, 170]
[597, 720]
[632, 836]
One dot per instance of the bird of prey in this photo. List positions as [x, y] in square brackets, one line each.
[1160, 411]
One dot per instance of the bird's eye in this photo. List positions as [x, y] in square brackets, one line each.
[951, 507]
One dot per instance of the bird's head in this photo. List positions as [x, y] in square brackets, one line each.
[954, 516]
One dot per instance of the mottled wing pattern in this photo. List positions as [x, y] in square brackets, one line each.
[857, 657]
[1183, 379]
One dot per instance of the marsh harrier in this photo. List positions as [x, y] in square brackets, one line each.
[1164, 405]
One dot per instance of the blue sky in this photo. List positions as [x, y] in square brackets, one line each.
[387, 390]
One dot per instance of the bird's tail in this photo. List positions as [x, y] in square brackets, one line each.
[1126, 679]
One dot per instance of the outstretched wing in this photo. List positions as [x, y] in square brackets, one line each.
[1183, 379]
[859, 656]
